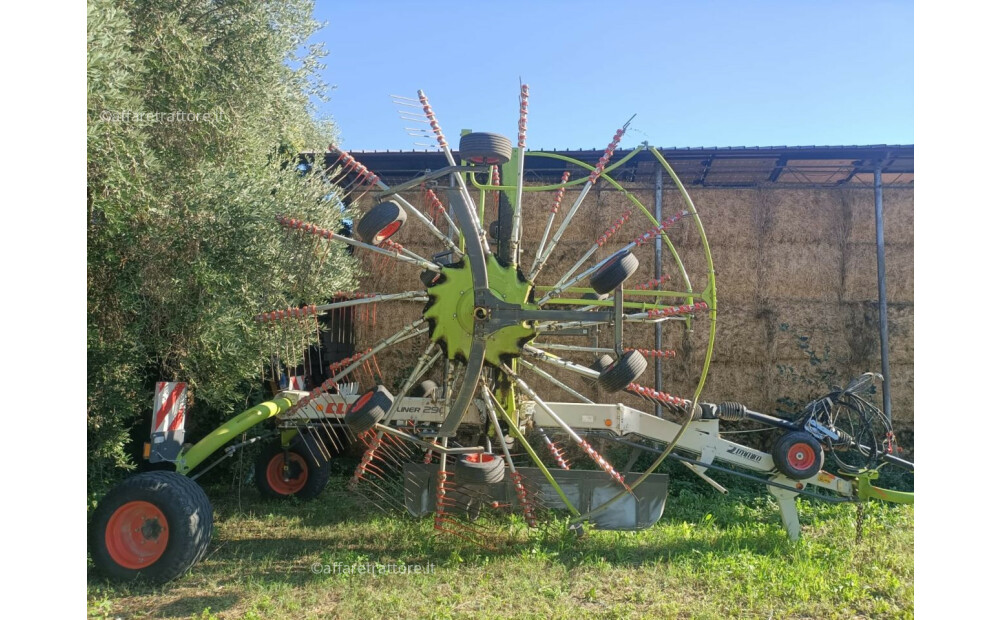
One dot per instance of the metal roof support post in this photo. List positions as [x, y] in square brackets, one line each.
[658, 273]
[883, 319]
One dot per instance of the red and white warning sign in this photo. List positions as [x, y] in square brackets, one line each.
[297, 382]
[169, 406]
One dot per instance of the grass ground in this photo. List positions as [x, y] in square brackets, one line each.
[709, 557]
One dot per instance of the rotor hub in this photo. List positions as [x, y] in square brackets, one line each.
[456, 318]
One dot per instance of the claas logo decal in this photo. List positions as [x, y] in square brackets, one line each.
[337, 408]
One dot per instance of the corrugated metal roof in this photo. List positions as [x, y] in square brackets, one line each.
[718, 167]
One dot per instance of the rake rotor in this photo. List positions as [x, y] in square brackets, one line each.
[454, 440]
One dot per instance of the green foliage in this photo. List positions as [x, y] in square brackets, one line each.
[183, 248]
[711, 556]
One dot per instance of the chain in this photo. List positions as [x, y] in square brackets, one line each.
[859, 524]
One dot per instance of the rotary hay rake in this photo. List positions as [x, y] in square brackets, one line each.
[496, 325]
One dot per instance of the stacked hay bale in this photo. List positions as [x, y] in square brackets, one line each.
[798, 309]
[796, 274]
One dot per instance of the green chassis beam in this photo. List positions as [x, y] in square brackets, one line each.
[573, 301]
[866, 490]
[231, 429]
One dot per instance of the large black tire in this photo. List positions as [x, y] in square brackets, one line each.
[614, 272]
[595, 296]
[484, 148]
[798, 455]
[368, 410]
[623, 371]
[381, 222]
[153, 526]
[482, 468]
[601, 364]
[302, 472]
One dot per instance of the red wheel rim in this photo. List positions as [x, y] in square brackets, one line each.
[276, 477]
[388, 231]
[610, 262]
[801, 456]
[358, 404]
[480, 458]
[136, 535]
[484, 160]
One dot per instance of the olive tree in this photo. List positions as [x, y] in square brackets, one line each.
[197, 112]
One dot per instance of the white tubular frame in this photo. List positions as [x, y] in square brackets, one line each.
[704, 444]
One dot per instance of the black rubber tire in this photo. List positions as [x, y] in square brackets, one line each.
[188, 515]
[485, 148]
[623, 371]
[426, 389]
[595, 296]
[482, 468]
[495, 230]
[614, 272]
[798, 455]
[381, 222]
[313, 465]
[368, 410]
[601, 364]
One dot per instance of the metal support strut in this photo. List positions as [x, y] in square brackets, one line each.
[883, 319]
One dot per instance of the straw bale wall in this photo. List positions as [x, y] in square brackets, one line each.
[796, 277]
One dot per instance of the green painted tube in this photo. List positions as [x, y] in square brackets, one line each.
[545, 188]
[514, 430]
[866, 490]
[635, 305]
[200, 451]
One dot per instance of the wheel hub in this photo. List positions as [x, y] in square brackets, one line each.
[136, 535]
[454, 315]
[286, 477]
[801, 456]
[151, 529]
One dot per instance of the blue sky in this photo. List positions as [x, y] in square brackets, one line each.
[696, 74]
